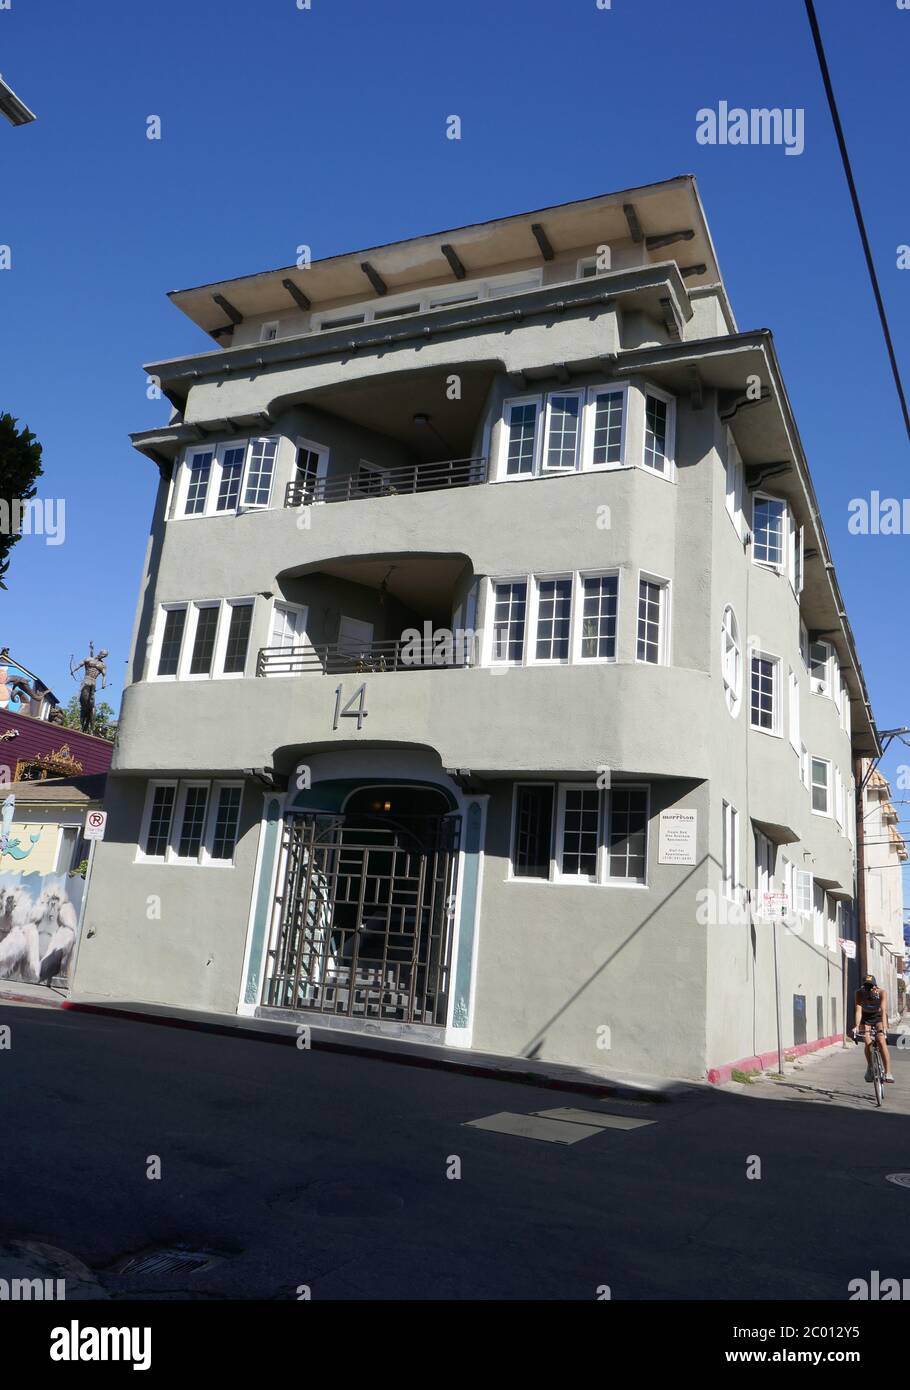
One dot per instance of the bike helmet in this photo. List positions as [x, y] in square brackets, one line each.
[869, 982]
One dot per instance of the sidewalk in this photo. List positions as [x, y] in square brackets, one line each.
[556, 1076]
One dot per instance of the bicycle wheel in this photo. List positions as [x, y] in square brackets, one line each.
[878, 1078]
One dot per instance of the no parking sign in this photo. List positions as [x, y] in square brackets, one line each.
[95, 824]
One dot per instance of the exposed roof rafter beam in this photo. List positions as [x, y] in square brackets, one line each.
[653, 243]
[452, 257]
[296, 294]
[375, 279]
[543, 241]
[687, 270]
[233, 314]
[635, 231]
[670, 321]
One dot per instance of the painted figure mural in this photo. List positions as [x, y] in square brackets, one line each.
[39, 916]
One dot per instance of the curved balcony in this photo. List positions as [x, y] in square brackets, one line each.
[390, 482]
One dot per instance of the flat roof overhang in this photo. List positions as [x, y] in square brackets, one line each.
[658, 214]
[13, 107]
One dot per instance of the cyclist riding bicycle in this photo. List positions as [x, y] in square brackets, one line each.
[871, 1012]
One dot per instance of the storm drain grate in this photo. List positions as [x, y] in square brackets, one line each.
[158, 1262]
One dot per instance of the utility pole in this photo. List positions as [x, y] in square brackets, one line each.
[860, 868]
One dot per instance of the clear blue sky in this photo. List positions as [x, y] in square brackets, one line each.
[283, 126]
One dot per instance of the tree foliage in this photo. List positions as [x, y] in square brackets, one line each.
[104, 724]
[20, 467]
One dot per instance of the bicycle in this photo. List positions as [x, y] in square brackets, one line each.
[876, 1064]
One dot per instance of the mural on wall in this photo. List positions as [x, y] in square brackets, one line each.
[20, 692]
[39, 916]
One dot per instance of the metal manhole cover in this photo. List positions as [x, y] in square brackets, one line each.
[167, 1261]
[899, 1179]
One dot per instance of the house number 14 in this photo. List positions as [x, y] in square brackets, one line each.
[354, 708]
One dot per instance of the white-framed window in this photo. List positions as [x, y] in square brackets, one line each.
[795, 554]
[509, 602]
[793, 710]
[552, 619]
[199, 475]
[520, 421]
[287, 631]
[731, 659]
[605, 426]
[269, 331]
[769, 530]
[838, 798]
[734, 484]
[371, 479]
[190, 821]
[804, 644]
[260, 471]
[730, 867]
[652, 639]
[845, 711]
[311, 466]
[418, 301]
[821, 786]
[659, 431]
[231, 459]
[576, 833]
[764, 706]
[802, 883]
[820, 662]
[201, 639]
[596, 612]
[562, 433]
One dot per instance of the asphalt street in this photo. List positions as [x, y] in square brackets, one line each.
[285, 1170]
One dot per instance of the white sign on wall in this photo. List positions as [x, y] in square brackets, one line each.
[676, 838]
[848, 948]
[775, 906]
[95, 823]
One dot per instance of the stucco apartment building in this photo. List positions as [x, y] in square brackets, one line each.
[885, 853]
[490, 673]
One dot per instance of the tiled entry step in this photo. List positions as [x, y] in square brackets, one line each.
[563, 1125]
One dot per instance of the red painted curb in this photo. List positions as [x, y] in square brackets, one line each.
[719, 1075]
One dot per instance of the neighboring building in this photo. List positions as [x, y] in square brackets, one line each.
[25, 742]
[46, 835]
[21, 692]
[562, 835]
[885, 854]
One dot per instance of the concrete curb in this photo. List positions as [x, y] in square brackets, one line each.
[398, 1052]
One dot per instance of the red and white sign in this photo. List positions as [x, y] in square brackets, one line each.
[95, 825]
[848, 948]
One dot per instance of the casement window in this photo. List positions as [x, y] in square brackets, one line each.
[845, 711]
[371, 479]
[200, 473]
[820, 668]
[731, 659]
[311, 466]
[190, 822]
[802, 883]
[510, 603]
[658, 437]
[821, 786]
[288, 631]
[769, 531]
[765, 700]
[562, 439]
[734, 488]
[793, 710]
[731, 873]
[576, 833]
[653, 602]
[804, 644]
[605, 426]
[553, 618]
[340, 321]
[260, 470]
[201, 640]
[520, 421]
[269, 331]
[532, 839]
[232, 460]
[597, 605]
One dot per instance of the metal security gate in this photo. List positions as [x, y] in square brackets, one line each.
[364, 917]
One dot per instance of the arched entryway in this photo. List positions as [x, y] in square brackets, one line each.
[365, 905]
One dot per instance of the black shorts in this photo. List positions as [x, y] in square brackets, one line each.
[874, 1022]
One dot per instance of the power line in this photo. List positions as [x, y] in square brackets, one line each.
[845, 160]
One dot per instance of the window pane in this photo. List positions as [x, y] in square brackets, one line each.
[200, 472]
[554, 607]
[226, 818]
[307, 468]
[509, 608]
[238, 637]
[580, 831]
[193, 822]
[522, 435]
[608, 428]
[649, 606]
[231, 473]
[763, 683]
[259, 477]
[655, 433]
[159, 830]
[819, 785]
[768, 528]
[562, 437]
[169, 658]
[598, 617]
[628, 833]
[533, 832]
[204, 642]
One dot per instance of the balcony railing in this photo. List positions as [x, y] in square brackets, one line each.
[420, 477]
[343, 658]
